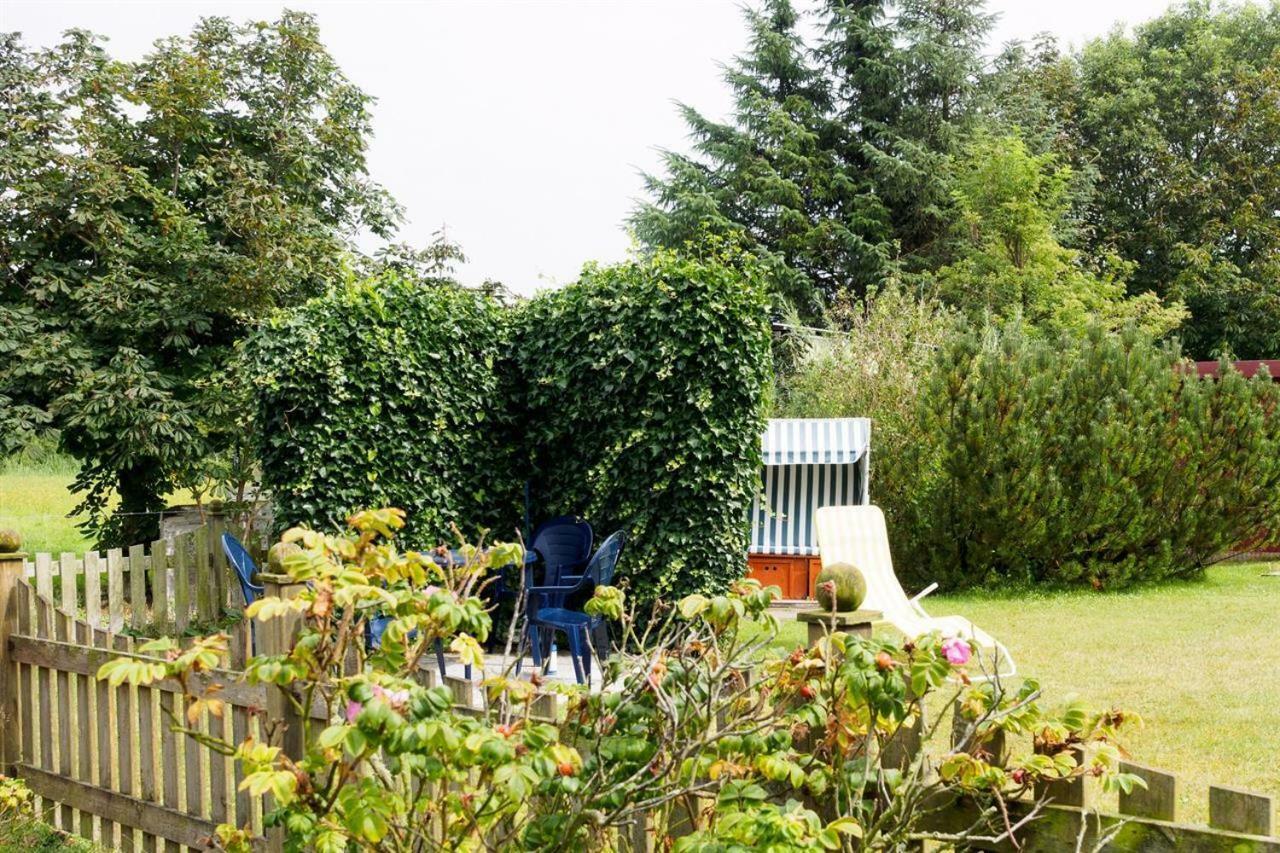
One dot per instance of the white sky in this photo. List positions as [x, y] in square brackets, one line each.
[522, 126]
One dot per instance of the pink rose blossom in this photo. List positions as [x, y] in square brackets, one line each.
[353, 711]
[397, 699]
[957, 651]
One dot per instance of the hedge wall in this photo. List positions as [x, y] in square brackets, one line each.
[1103, 461]
[641, 389]
[388, 392]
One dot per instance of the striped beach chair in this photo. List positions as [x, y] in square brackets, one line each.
[858, 535]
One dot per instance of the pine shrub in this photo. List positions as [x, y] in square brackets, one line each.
[1103, 460]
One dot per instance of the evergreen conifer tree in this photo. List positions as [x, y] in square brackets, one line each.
[775, 174]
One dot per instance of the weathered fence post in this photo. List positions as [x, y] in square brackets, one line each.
[1239, 811]
[1157, 801]
[277, 638]
[10, 572]
[1068, 792]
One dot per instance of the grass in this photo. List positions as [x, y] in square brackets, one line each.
[1198, 660]
[35, 501]
[32, 836]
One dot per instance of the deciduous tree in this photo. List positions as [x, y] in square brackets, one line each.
[150, 211]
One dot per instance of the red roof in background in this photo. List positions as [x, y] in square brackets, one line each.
[1248, 367]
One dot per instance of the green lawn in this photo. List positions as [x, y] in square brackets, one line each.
[34, 500]
[30, 836]
[1199, 661]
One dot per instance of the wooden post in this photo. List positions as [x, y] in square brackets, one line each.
[10, 572]
[464, 692]
[1239, 811]
[1158, 801]
[904, 745]
[991, 742]
[823, 622]
[1068, 792]
[543, 707]
[277, 638]
[217, 525]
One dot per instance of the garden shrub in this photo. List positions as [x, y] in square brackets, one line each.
[874, 369]
[641, 391]
[703, 737]
[1102, 460]
[387, 391]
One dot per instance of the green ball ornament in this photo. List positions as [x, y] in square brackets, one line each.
[841, 585]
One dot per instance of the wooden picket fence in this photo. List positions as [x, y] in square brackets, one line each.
[166, 588]
[105, 763]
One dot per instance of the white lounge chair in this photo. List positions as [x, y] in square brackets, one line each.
[857, 535]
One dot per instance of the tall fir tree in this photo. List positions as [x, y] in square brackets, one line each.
[833, 158]
[940, 68]
[775, 174]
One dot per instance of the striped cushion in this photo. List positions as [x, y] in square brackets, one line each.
[782, 512]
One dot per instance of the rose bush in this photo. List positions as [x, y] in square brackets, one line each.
[700, 737]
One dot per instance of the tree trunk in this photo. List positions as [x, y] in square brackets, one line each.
[137, 518]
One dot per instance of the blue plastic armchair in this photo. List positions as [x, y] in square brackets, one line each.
[562, 546]
[575, 624]
[244, 568]
[376, 626]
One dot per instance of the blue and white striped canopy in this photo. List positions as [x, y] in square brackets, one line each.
[816, 441]
[809, 463]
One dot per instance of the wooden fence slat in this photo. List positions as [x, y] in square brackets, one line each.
[1158, 800]
[44, 575]
[204, 780]
[145, 727]
[255, 806]
[181, 585]
[50, 749]
[90, 763]
[159, 586]
[93, 589]
[233, 813]
[67, 586]
[109, 734]
[115, 589]
[169, 706]
[192, 803]
[137, 587]
[1238, 810]
[134, 740]
[204, 584]
[212, 726]
[240, 727]
[105, 736]
[69, 703]
[79, 706]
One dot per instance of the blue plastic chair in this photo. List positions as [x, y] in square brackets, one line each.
[244, 567]
[376, 626]
[562, 546]
[575, 624]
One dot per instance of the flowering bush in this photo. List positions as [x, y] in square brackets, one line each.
[700, 738]
[15, 799]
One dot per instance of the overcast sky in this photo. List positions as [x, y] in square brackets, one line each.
[521, 126]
